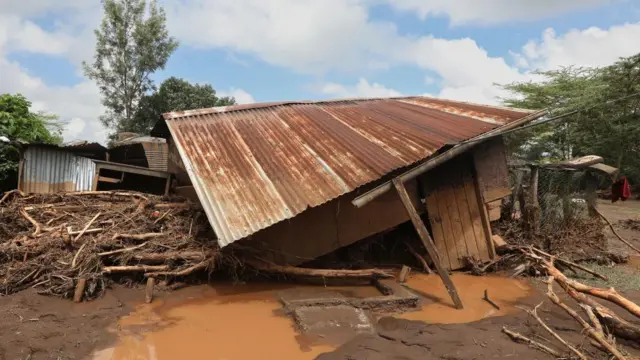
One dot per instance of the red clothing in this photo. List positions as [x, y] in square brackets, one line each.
[620, 189]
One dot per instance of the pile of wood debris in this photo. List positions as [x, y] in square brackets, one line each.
[75, 244]
[599, 323]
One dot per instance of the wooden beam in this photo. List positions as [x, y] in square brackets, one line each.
[132, 169]
[427, 241]
[484, 214]
[109, 180]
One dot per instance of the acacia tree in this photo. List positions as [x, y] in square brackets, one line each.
[18, 123]
[173, 95]
[611, 130]
[132, 43]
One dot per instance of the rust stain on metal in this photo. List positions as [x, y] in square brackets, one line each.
[255, 165]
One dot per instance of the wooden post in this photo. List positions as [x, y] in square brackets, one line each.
[534, 206]
[148, 296]
[592, 196]
[96, 176]
[167, 186]
[77, 296]
[404, 274]
[427, 241]
[484, 214]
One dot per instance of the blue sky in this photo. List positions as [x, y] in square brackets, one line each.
[316, 49]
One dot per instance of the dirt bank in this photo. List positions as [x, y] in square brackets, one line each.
[39, 327]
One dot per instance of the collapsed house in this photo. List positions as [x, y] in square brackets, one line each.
[281, 177]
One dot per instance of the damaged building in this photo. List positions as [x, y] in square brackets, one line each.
[283, 177]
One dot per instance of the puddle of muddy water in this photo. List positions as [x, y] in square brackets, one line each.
[438, 307]
[230, 322]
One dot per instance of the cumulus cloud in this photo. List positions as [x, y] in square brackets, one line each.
[590, 47]
[462, 12]
[362, 89]
[310, 37]
[241, 96]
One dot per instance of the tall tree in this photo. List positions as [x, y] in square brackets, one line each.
[611, 130]
[19, 123]
[132, 43]
[173, 95]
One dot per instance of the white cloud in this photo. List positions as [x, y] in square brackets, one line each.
[492, 11]
[305, 35]
[590, 47]
[241, 96]
[363, 89]
[313, 37]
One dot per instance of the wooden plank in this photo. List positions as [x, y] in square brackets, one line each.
[447, 230]
[96, 176]
[108, 179]
[436, 227]
[465, 217]
[496, 194]
[456, 225]
[486, 225]
[474, 212]
[427, 241]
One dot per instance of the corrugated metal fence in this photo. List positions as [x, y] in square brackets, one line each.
[48, 170]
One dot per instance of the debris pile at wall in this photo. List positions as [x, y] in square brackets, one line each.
[67, 243]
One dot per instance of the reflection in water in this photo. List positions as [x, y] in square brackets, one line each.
[438, 307]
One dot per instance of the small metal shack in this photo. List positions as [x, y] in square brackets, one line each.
[46, 168]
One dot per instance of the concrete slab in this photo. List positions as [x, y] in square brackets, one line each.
[328, 320]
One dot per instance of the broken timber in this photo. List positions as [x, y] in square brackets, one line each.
[427, 241]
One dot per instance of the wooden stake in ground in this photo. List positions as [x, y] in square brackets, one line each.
[534, 344]
[148, 295]
[404, 273]
[534, 314]
[427, 241]
[615, 232]
[77, 296]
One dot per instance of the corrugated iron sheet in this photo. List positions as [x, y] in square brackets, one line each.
[253, 166]
[157, 154]
[50, 170]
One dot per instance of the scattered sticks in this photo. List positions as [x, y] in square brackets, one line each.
[534, 344]
[533, 312]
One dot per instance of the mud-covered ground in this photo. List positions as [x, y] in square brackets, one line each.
[38, 327]
[409, 340]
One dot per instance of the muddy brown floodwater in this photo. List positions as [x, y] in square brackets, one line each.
[236, 322]
[438, 307]
[230, 322]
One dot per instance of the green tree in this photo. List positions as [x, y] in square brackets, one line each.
[173, 95]
[132, 43]
[18, 123]
[611, 131]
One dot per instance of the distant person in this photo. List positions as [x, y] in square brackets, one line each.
[620, 190]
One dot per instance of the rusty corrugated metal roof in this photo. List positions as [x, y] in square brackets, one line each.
[255, 165]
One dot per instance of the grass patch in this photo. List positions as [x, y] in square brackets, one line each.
[620, 277]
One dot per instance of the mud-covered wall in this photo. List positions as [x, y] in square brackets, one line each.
[321, 230]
